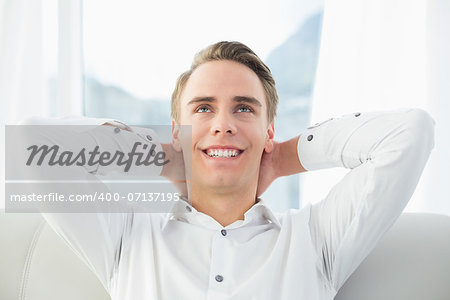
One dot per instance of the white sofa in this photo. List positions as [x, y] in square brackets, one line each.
[411, 262]
[36, 264]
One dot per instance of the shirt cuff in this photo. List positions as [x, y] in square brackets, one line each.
[322, 145]
[310, 149]
[144, 141]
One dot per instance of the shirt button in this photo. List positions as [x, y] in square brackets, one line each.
[117, 130]
[188, 208]
[310, 137]
[219, 278]
[223, 232]
[149, 137]
[357, 114]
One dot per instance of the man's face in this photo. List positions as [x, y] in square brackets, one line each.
[224, 101]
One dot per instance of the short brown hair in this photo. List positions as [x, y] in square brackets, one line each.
[233, 51]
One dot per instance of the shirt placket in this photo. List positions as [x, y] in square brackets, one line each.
[220, 279]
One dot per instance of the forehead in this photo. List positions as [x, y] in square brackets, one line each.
[223, 80]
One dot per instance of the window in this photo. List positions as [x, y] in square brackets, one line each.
[135, 50]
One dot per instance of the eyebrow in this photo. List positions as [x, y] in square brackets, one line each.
[238, 99]
[249, 100]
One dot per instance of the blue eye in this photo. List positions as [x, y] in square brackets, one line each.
[203, 109]
[244, 109]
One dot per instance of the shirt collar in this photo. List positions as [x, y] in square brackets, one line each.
[183, 210]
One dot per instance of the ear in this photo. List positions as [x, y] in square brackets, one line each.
[176, 136]
[269, 138]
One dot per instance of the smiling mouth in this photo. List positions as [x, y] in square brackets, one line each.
[222, 153]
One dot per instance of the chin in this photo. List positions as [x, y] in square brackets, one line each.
[217, 183]
[221, 182]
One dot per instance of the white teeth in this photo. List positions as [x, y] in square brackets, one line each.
[226, 153]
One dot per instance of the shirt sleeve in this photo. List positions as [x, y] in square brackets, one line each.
[97, 237]
[386, 152]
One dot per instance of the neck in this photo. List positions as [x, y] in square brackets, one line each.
[224, 206]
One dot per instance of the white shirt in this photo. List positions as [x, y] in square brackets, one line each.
[299, 254]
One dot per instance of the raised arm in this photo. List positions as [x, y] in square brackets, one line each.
[386, 152]
[98, 237]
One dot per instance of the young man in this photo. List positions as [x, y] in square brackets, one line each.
[227, 243]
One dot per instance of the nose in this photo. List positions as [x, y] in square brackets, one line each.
[223, 124]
